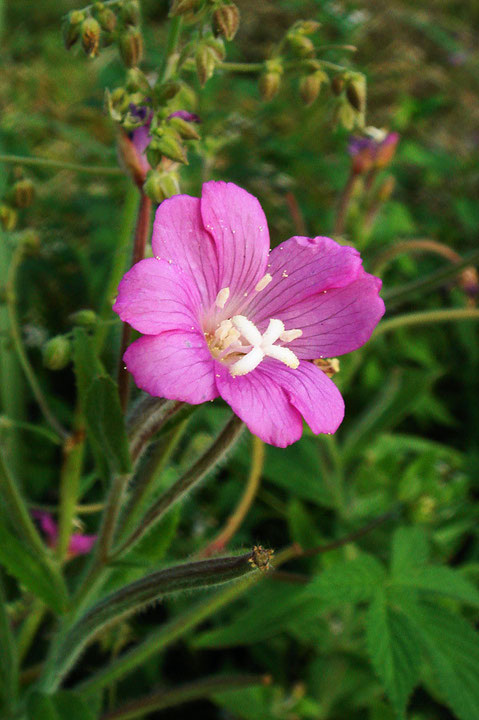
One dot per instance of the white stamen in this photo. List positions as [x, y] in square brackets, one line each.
[222, 297]
[247, 363]
[273, 331]
[263, 282]
[284, 355]
[290, 335]
[248, 329]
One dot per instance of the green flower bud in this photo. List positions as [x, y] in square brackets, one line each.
[23, 192]
[8, 217]
[300, 44]
[167, 91]
[337, 84]
[270, 80]
[169, 144]
[226, 19]
[90, 36]
[71, 28]
[346, 116]
[187, 130]
[84, 318]
[131, 13]
[56, 353]
[131, 47]
[205, 63]
[107, 19]
[216, 46]
[356, 93]
[136, 81]
[161, 185]
[182, 7]
[307, 27]
[310, 86]
[116, 103]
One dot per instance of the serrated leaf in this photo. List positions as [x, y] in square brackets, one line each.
[441, 580]
[350, 581]
[32, 572]
[410, 549]
[393, 649]
[453, 649]
[105, 422]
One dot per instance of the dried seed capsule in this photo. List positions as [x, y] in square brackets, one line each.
[130, 12]
[356, 93]
[337, 84]
[131, 47]
[269, 84]
[310, 86]
[56, 353]
[217, 47]
[205, 63]
[23, 192]
[90, 36]
[181, 7]
[300, 44]
[107, 19]
[226, 19]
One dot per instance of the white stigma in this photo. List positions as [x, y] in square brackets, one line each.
[222, 297]
[262, 346]
[263, 282]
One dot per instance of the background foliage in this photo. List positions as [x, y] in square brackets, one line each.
[380, 627]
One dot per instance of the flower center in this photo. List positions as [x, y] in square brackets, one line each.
[238, 343]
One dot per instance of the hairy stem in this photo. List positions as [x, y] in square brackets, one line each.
[413, 246]
[427, 317]
[61, 165]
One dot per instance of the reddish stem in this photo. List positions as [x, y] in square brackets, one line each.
[141, 236]
[344, 202]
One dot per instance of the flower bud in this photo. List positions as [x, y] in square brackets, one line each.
[185, 128]
[181, 7]
[205, 63]
[90, 36]
[310, 85]
[356, 93]
[130, 12]
[136, 81]
[346, 116]
[116, 103]
[226, 20]
[216, 46]
[71, 28]
[307, 27]
[161, 185]
[386, 150]
[337, 84]
[300, 44]
[23, 192]
[270, 81]
[130, 159]
[107, 19]
[168, 144]
[84, 318]
[386, 188]
[166, 91]
[8, 217]
[56, 353]
[131, 47]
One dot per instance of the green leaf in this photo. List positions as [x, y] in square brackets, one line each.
[392, 647]
[439, 580]
[8, 656]
[453, 650]
[61, 706]
[350, 581]
[38, 576]
[410, 550]
[248, 703]
[302, 527]
[105, 422]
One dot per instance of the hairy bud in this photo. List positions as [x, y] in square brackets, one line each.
[187, 130]
[337, 84]
[300, 44]
[226, 19]
[270, 80]
[169, 144]
[71, 28]
[217, 47]
[107, 19]
[356, 93]
[346, 115]
[307, 27]
[205, 63]
[161, 185]
[310, 86]
[23, 192]
[84, 318]
[8, 217]
[182, 7]
[131, 47]
[90, 36]
[56, 353]
[130, 12]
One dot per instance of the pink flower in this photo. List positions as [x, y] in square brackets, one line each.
[376, 150]
[79, 544]
[222, 315]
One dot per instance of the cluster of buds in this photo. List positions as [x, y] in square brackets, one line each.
[102, 24]
[225, 15]
[350, 89]
[298, 40]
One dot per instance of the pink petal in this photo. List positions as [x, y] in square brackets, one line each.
[141, 139]
[47, 524]
[238, 225]
[337, 321]
[81, 544]
[179, 236]
[311, 392]
[301, 267]
[155, 296]
[176, 365]
[262, 404]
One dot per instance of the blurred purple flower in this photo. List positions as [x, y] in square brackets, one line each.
[185, 115]
[369, 152]
[222, 315]
[79, 544]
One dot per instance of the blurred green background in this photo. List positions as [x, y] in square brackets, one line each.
[409, 440]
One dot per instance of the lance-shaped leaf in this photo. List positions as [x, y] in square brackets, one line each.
[105, 422]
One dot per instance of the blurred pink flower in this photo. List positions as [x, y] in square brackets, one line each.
[222, 315]
[79, 544]
[368, 152]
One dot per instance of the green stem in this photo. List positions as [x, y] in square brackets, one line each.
[72, 466]
[204, 688]
[344, 203]
[8, 658]
[426, 318]
[7, 423]
[171, 44]
[119, 605]
[29, 628]
[22, 356]
[205, 464]
[413, 246]
[176, 628]
[404, 292]
[61, 165]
